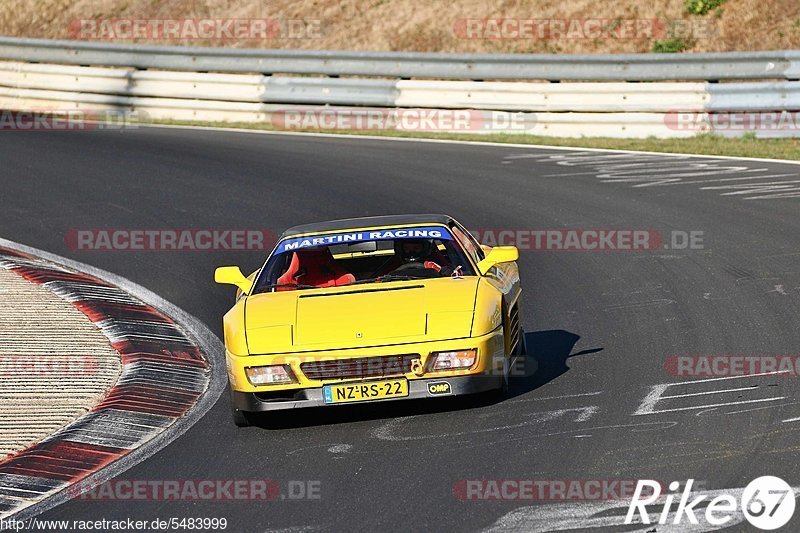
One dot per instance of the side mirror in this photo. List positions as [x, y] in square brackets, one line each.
[232, 275]
[499, 254]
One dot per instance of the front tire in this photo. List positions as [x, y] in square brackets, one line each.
[508, 359]
[514, 353]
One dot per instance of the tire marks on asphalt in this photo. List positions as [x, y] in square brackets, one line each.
[645, 170]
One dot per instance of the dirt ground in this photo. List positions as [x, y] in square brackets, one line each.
[505, 26]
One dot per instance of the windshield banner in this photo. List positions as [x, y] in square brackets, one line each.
[423, 232]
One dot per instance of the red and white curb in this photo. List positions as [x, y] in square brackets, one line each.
[172, 373]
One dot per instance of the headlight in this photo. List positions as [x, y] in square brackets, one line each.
[454, 360]
[269, 375]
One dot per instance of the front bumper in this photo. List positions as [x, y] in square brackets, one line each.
[417, 389]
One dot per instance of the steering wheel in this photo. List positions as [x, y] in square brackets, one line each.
[411, 266]
[429, 270]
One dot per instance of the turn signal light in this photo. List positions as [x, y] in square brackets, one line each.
[454, 360]
[270, 375]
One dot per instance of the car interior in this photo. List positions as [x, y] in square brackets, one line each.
[348, 263]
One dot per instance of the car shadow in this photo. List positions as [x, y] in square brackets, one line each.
[545, 359]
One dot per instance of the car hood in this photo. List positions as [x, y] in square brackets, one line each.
[360, 315]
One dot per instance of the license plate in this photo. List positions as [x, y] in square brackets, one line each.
[369, 390]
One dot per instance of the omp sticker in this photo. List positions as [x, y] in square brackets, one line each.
[437, 388]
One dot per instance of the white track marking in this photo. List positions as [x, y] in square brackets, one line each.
[773, 406]
[780, 290]
[566, 396]
[648, 404]
[709, 392]
[656, 394]
[569, 174]
[340, 448]
[710, 406]
[709, 380]
[585, 413]
[644, 177]
[385, 431]
[769, 176]
[775, 196]
[643, 172]
[754, 188]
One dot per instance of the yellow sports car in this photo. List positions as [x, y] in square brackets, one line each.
[371, 309]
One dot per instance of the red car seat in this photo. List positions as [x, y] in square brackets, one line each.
[315, 267]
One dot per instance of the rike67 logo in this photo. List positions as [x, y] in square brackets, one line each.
[767, 503]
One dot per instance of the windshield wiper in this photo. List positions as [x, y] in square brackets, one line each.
[279, 285]
[390, 277]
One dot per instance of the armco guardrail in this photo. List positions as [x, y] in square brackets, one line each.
[504, 96]
[779, 65]
[595, 108]
[559, 97]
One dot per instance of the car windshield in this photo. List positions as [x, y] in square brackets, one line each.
[363, 257]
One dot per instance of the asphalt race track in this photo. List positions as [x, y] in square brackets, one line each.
[602, 324]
